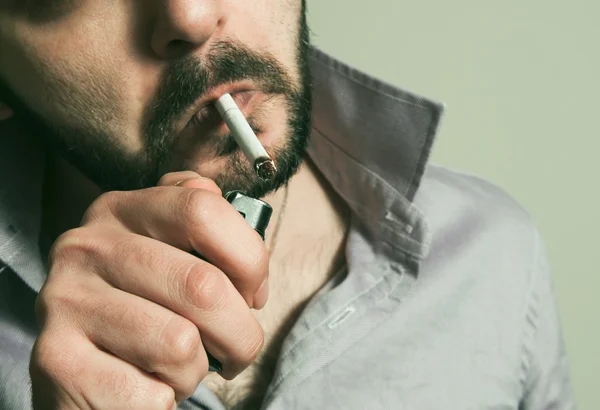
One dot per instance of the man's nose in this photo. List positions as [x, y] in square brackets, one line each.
[182, 26]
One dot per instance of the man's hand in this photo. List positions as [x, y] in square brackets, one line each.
[127, 312]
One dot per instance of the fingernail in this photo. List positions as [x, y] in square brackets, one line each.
[262, 295]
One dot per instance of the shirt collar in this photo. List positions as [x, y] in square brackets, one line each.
[371, 141]
[21, 167]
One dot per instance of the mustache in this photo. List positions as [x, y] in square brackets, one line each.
[188, 79]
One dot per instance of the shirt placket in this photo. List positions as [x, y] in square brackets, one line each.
[328, 328]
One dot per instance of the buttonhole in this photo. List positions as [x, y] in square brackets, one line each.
[341, 317]
[391, 217]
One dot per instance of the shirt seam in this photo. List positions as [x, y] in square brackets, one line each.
[531, 315]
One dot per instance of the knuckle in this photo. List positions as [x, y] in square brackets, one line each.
[101, 207]
[50, 360]
[118, 383]
[161, 398]
[181, 342]
[70, 246]
[199, 207]
[204, 287]
[57, 306]
[55, 298]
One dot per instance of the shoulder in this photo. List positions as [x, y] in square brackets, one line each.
[485, 288]
[477, 225]
[450, 197]
[462, 189]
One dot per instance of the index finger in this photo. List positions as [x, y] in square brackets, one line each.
[192, 220]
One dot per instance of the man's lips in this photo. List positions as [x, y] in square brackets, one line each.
[243, 99]
[207, 122]
[204, 106]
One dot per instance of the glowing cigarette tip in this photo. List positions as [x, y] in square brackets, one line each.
[256, 154]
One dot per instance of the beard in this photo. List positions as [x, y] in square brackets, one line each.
[103, 158]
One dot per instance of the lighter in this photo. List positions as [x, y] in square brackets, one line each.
[257, 213]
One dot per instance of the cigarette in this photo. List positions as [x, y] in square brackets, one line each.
[264, 166]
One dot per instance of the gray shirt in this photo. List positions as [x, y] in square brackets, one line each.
[447, 302]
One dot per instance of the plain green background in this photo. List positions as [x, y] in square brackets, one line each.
[521, 82]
